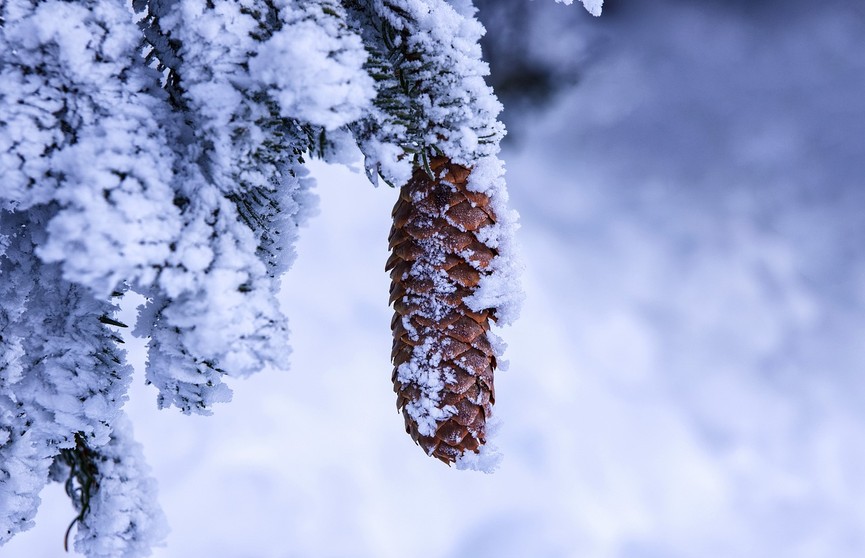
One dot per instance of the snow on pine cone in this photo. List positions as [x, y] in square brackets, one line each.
[443, 360]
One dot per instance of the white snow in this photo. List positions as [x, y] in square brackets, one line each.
[314, 66]
[490, 457]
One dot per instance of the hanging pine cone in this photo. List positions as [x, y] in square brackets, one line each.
[443, 361]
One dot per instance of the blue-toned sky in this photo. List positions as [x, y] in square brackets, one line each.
[688, 374]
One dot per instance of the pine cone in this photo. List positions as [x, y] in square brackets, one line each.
[443, 360]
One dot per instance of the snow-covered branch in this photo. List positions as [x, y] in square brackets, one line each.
[593, 6]
[161, 150]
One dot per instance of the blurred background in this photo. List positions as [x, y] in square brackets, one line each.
[687, 378]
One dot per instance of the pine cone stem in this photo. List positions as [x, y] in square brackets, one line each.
[443, 360]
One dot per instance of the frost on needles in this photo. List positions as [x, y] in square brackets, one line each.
[162, 151]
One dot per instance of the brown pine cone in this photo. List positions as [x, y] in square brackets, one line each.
[443, 361]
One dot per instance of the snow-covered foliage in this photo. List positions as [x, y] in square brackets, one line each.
[315, 64]
[111, 490]
[81, 130]
[432, 95]
[62, 373]
[161, 150]
[593, 6]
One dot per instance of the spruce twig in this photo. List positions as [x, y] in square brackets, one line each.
[82, 483]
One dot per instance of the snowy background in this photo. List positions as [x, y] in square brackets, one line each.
[686, 378]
